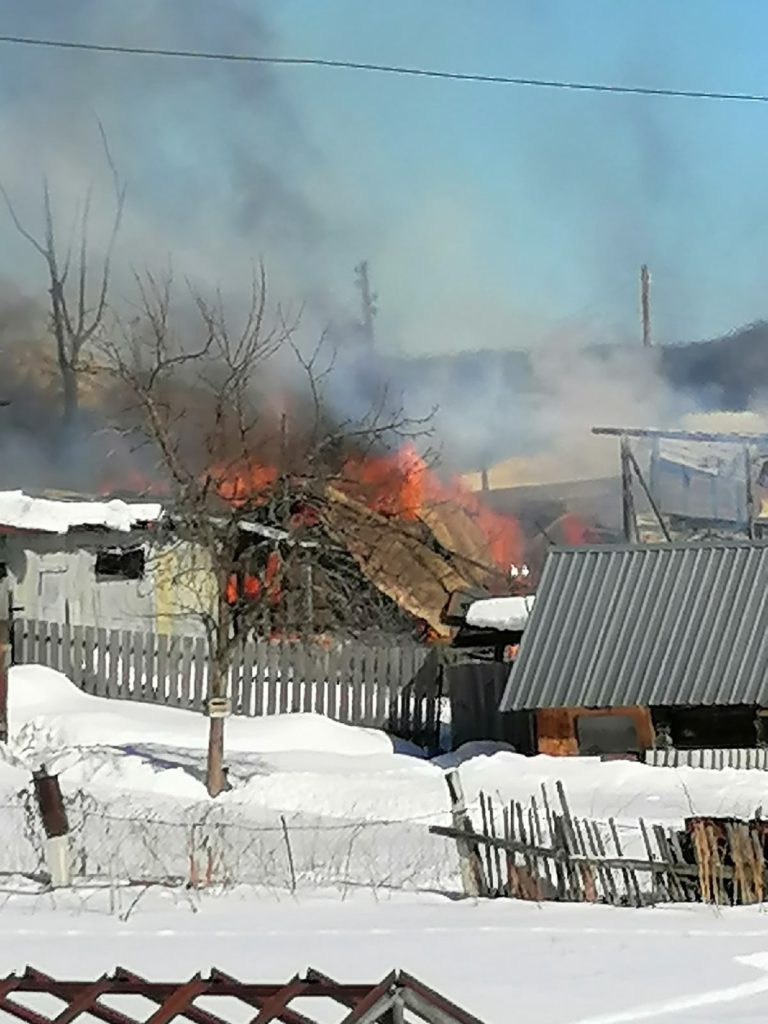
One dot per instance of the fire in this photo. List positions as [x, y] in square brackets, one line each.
[253, 586]
[242, 484]
[394, 485]
[401, 484]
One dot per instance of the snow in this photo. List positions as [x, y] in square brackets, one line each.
[502, 961]
[500, 612]
[355, 806]
[46, 515]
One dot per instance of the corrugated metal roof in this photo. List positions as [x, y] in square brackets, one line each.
[662, 624]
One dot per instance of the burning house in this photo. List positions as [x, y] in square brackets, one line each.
[384, 548]
[639, 648]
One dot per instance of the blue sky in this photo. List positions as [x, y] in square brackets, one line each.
[566, 193]
[491, 215]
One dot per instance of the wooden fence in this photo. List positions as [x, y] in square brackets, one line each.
[396, 687]
[732, 757]
[542, 852]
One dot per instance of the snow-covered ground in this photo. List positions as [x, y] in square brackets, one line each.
[503, 961]
[353, 808]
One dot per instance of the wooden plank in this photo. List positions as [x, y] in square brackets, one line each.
[151, 690]
[431, 703]
[54, 646]
[90, 681]
[332, 683]
[245, 702]
[77, 656]
[605, 874]
[405, 689]
[370, 677]
[66, 650]
[126, 664]
[569, 842]
[235, 677]
[394, 676]
[102, 651]
[345, 672]
[315, 695]
[186, 644]
[356, 698]
[200, 673]
[113, 664]
[472, 875]
[487, 849]
[139, 666]
[162, 690]
[304, 674]
[680, 859]
[588, 871]
[657, 878]
[174, 670]
[675, 888]
[538, 839]
[273, 670]
[259, 683]
[286, 681]
[526, 837]
[381, 688]
[630, 878]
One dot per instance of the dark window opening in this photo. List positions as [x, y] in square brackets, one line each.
[120, 564]
[724, 727]
[606, 734]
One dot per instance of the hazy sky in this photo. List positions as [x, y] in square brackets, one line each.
[492, 215]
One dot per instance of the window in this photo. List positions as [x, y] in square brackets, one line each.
[120, 564]
[606, 734]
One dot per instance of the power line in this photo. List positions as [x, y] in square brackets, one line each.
[388, 69]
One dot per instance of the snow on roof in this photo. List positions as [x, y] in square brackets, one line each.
[509, 613]
[47, 515]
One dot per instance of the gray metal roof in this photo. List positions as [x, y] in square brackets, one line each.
[662, 624]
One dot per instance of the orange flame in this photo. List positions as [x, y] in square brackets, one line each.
[401, 484]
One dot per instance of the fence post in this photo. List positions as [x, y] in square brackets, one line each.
[5, 652]
[472, 875]
[51, 804]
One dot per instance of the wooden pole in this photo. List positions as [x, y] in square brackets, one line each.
[5, 653]
[748, 493]
[645, 305]
[627, 503]
[472, 874]
[649, 495]
[54, 816]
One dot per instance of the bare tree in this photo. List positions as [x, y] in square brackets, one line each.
[78, 292]
[251, 475]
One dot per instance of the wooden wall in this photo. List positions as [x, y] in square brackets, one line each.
[556, 727]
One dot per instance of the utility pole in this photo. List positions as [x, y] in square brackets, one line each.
[367, 301]
[645, 305]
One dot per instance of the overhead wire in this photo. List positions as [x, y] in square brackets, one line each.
[388, 69]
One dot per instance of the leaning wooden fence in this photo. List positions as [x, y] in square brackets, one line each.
[396, 686]
[540, 851]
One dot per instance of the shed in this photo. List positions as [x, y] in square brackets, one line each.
[86, 562]
[672, 638]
